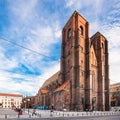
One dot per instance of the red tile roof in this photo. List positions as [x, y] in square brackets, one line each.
[44, 91]
[9, 94]
[62, 87]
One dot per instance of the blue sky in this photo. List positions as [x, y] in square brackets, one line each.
[37, 25]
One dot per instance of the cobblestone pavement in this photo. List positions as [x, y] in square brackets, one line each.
[9, 113]
[58, 115]
[115, 117]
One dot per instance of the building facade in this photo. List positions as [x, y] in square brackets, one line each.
[10, 100]
[29, 102]
[83, 80]
[115, 95]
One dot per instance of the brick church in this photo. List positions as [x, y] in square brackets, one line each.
[83, 80]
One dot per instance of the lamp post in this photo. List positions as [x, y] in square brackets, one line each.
[24, 104]
[28, 100]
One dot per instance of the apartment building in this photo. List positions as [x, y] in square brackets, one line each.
[8, 100]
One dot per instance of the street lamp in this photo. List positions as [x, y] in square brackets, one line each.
[28, 100]
[24, 104]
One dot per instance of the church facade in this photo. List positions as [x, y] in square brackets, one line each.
[83, 80]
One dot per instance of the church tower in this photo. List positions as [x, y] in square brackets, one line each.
[75, 59]
[83, 80]
[99, 46]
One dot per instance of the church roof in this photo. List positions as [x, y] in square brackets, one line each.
[44, 91]
[62, 87]
[74, 13]
[50, 80]
[97, 34]
[115, 85]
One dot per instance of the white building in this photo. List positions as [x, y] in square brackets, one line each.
[10, 100]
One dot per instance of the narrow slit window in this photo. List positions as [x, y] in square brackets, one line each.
[81, 30]
[69, 33]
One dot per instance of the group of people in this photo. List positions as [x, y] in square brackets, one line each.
[34, 110]
[19, 110]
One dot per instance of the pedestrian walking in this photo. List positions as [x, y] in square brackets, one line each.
[34, 112]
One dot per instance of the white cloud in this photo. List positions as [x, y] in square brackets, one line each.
[30, 84]
[112, 34]
[94, 27]
[31, 31]
[57, 30]
[40, 33]
[39, 39]
[69, 3]
[95, 5]
[114, 65]
[23, 9]
[6, 63]
[58, 34]
[49, 71]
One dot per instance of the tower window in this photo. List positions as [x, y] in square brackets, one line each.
[69, 33]
[102, 45]
[81, 30]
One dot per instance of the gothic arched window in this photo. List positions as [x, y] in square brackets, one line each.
[81, 30]
[102, 45]
[69, 33]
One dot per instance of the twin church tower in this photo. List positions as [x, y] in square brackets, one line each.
[83, 80]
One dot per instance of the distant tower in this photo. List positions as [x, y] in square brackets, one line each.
[75, 59]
